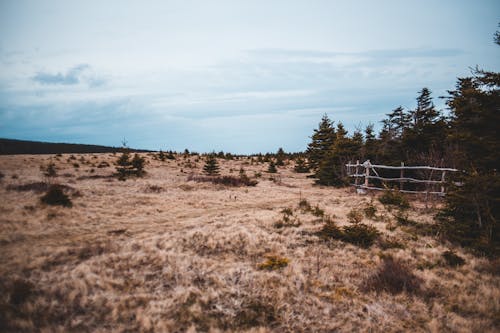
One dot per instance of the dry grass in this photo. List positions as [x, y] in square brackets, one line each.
[161, 254]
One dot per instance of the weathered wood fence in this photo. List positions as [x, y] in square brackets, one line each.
[436, 177]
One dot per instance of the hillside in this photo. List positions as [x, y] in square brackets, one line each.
[164, 253]
[15, 147]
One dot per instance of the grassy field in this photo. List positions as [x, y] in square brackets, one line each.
[163, 253]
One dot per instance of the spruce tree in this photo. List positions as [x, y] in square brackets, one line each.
[211, 166]
[272, 167]
[474, 206]
[322, 142]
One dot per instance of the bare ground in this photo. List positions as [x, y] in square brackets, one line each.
[163, 254]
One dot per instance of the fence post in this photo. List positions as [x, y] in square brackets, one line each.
[356, 179]
[401, 175]
[443, 173]
[367, 172]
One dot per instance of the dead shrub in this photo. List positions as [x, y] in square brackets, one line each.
[394, 277]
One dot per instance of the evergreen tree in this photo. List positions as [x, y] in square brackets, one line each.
[301, 166]
[400, 121]
[370, 146]
[123, 165]
[322, 142]
[280, 157]
[211, 166]
[474, 206]
[272, 167]
[138, 165]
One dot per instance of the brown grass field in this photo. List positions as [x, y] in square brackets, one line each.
[164, 254]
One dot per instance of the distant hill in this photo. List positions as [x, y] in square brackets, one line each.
[13, 147]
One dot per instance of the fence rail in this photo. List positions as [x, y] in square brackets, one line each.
[353, 170]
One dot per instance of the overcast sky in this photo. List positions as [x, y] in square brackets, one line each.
[239, 76]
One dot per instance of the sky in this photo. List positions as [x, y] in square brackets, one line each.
[238, 76]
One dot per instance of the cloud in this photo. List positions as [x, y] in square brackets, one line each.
[75, 75]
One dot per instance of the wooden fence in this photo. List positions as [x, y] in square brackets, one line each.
[436, 177]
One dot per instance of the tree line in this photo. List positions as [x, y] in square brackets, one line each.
[467, 138]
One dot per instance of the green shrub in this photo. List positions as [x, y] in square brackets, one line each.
[394, 199]
[305, 206]
[55, 196]
[360, 234]
[272, 168]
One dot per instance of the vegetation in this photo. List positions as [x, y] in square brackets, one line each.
[394, 199]
[393, 276]
[55, 196]
[211, 166]
[127, 167]
[274, 262]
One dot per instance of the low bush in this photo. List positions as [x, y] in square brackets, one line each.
[274, 262]
[287, 220]
[393, 276]
[394, 199]
[452, 259]
[355, 216]
[55, 196]
[370, 211]
[360, 234]
[387, 242]
[224, 180]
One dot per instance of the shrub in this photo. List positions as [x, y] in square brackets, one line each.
[354, 216]
[103, 164]
[318, 212]
[305, 206]
[127, 167]
[274, 262]
[49, 170]
[394, 199]
[370, 211]
[391, 243]
[287, 220]
[330, 230]
[360, 234]
[224, 180]
[394, 277]
[55, 196]
[453, 259]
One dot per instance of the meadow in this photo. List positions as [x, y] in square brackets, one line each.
[170, 252]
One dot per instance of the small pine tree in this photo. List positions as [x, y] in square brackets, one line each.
[211, 166]
[272, 168]
[138, 165]
[301, 166]
[123, 165]
[161, 156]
